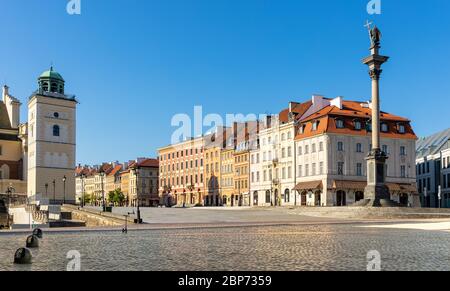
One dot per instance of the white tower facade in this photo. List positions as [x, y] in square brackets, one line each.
[52, 141]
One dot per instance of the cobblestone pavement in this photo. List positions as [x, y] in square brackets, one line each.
[263, 248]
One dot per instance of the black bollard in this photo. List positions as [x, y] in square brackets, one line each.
[32, 241]
[23, 256]
[38, 232]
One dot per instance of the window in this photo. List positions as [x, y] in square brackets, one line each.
[359, 169]
[384, 127]
[306, 170]
[301, 129]
[340, 168]
[403, 171]
[289, 152]
[359, 148]
[313, 169]
[358, 125]
[340, 146]
[300, 151]
[315, 125]
[385, 149]
[402, 151]
[321, 146]
[289, 172]
[313, 150]
[321, 168]
[339, 123]
[401, 128]
[306, 149]
[299, 174]
[56, 115]
[56, 130]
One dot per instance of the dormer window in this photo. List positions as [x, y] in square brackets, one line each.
[315, 125]
[339, 123]
[384, 127]
[358, 125]
[401, 128]
[301, 129]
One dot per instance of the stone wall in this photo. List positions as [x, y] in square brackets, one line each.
[95, 218]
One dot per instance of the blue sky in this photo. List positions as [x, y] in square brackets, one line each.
[135, 63]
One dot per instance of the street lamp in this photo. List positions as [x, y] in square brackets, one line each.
[138, 210]
[102, 175]
[9, 191]
[46, 190]
[83, 177]
[191, 189]
[54, 191]
[64, 182]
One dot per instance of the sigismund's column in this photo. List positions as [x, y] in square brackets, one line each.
[376, 193]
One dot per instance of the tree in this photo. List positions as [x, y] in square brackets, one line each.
[116, 197]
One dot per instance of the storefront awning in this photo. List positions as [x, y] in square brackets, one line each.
[309, 186]
[349, 185]
[404, 188]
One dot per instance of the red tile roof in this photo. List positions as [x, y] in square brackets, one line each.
[351, 111]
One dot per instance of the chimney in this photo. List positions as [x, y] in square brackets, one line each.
[269, 121]
[337, 102]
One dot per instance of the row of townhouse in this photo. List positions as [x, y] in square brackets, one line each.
[311, 154]
[137, 181]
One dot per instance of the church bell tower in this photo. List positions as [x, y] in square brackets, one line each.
[51, 141]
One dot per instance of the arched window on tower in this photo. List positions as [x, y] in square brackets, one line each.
[56, 130]
[45, 87]
[54, 88]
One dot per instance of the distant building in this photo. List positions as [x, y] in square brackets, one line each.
[433, 169]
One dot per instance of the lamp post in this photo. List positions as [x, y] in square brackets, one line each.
[46, 190]
[83, 177]
[138, 210]
[102, 175]
[9, 191]
[64, 182]
[54, 191]
[191, 189]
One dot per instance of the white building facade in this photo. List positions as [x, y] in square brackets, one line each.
[433, 170]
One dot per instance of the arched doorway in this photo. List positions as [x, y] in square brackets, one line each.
[232, 200]
[318, 198]
[404, 199]
[341, 198]
[287, 196]
[275, 197]
[359, 195]
[303, 198]
[255, 198]
[268, 197]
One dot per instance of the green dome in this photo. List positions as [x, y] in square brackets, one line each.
[50, 74]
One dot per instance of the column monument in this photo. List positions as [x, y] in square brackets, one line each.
[376, 193]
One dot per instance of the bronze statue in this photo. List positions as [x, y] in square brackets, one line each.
[374, 33]
[375, 36]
